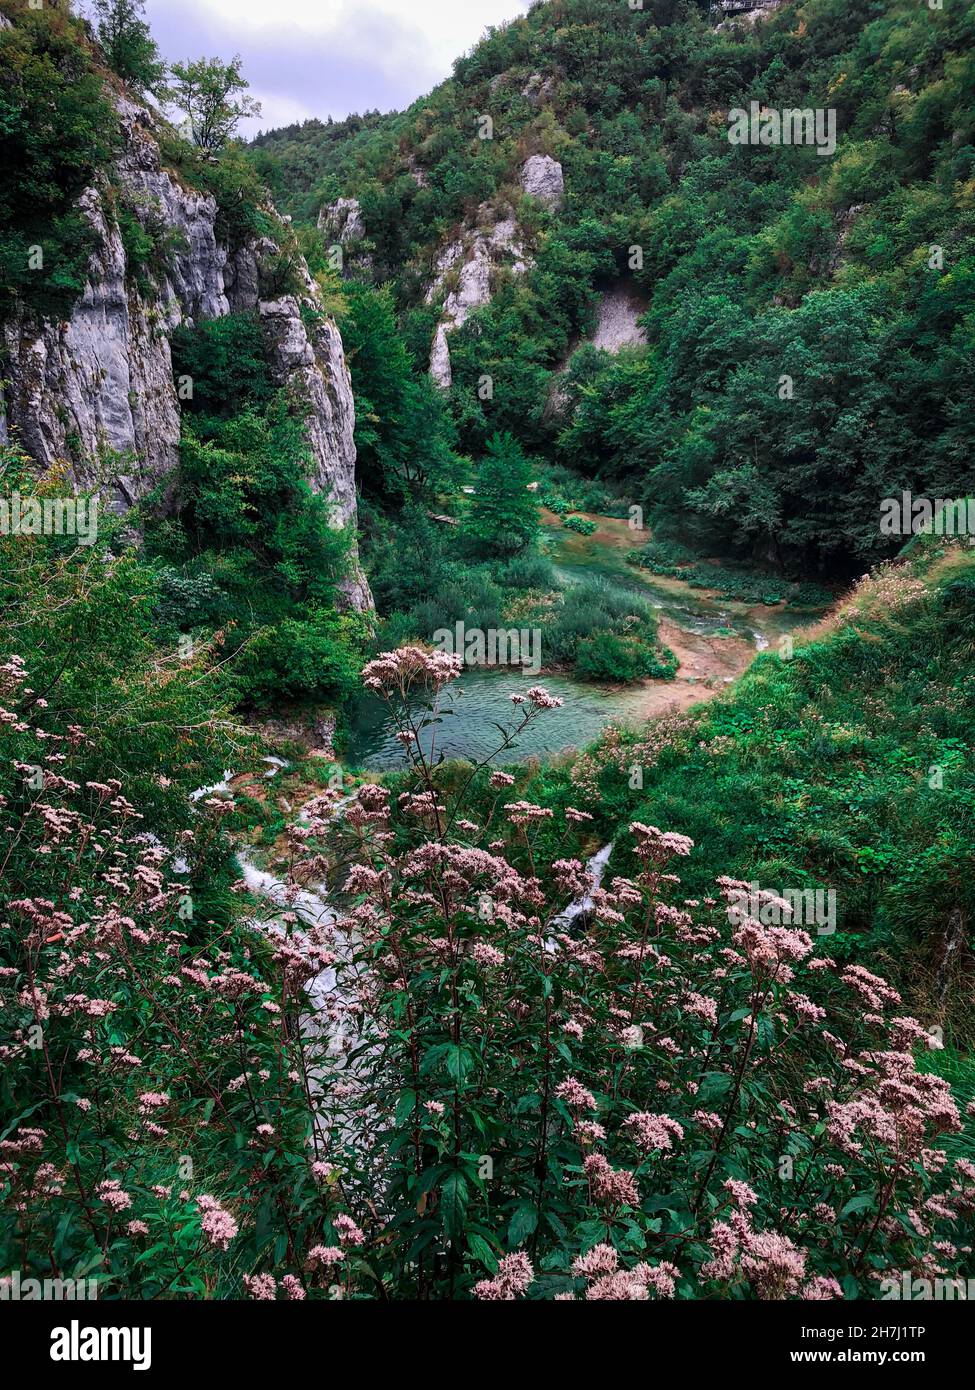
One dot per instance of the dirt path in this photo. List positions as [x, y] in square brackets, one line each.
[708, 665]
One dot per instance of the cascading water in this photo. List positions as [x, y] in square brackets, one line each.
[596, 868]
[314, 910]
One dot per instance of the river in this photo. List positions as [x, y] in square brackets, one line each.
[715, 639]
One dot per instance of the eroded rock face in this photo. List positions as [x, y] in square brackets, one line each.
[542, 178]
[193, 285]
[618, 319]
[745, 13]
[471, 260]
[96, 391]
[440, 368]
[844, 226]
[342, 224]
[310, 362]
[538, 89]
[621, 306]
[342, 221]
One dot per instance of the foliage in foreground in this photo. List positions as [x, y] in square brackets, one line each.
[648, 1099]
[846, 767]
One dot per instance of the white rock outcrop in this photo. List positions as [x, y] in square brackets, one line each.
[542, 178]
[618, 319]
[311, 363]
[470, 261]
[342, 224]
[618, 314]
[342, 221]
[95, 391]
[538, 89]
[746, 12]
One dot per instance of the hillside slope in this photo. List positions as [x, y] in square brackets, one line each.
[809, 328]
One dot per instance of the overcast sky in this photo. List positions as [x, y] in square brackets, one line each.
[328, 57]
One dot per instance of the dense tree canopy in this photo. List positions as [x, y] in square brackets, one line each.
[850, 275]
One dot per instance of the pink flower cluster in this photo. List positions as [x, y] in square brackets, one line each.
[514, 1276]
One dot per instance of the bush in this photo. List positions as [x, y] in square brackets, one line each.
[611, 628]
[313, 658]
[606, 657]
[639, 1157]
[528, 571]
[582, 524]
[746, 586]
[154, 985]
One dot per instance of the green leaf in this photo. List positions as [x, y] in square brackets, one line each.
[860, 1202]
[523, 1222]
[457, 1061]
[405, 1107]
[453, 1204]
[481, 1251]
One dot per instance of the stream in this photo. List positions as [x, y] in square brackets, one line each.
[715, 639]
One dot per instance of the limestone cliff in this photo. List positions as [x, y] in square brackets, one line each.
[465, 268]
[95, 391]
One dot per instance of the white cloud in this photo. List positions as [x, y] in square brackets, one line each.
[329, 57]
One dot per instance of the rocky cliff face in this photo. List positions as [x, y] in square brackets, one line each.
[96, 391]
[465, 267]
[341, 224]
[542, 178]
[312, 365]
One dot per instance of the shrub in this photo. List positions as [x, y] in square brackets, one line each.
[126, 972]
[308, 658]
[606, 657]
[530, 571]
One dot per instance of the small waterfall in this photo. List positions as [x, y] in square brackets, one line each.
[953, 940]
[315, 911]
[596, 868]
[218, 788]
